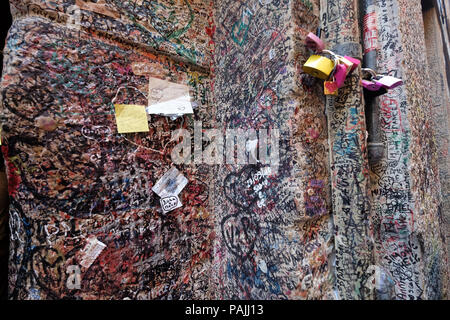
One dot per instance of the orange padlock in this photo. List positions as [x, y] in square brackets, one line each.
[330, 88]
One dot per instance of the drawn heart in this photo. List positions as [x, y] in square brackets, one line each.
[239, 233]
[236, 187]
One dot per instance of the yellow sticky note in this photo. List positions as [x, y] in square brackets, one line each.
[131, 118]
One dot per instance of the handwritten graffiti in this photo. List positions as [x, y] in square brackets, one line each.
[259, 206]
[350, 196]
[74, 177]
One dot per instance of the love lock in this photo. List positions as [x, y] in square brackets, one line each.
[371, 85]
[378, 84]
[342, 67]
[388, 82]
[340, 74]
[330, 88]
[347, 63]
[319, 66]
[368, 94]
[373, 89]
[354, 61]
[314, 43]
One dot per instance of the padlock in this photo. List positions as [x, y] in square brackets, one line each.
[368, 73]
[373, 94]
[371, 86]
[348, 64]
[319, 67]
[354, 61]
[340, 74]
[330, 88]
[314, 43]
[388, 82]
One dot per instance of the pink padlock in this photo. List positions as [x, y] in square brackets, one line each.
[389, 82]
[371, 86]
[355, 62]
[340, 74]
[314, 43]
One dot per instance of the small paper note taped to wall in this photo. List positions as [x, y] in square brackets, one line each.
[170, 184]
[91, 251]
[168, 98]
[170, 203]
[131, 118]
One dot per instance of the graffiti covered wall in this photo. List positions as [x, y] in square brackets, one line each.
[424, 160]
[348, 153]
[72, 176]
[393, 205]
[441, 108]
[291, 211]
[165, 26]
[406, 173]
[272, 221]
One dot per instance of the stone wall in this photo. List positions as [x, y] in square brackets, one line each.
[441, 108]
[424, 158]
[308, 224]
[395, 234]
[348, 157]
[272, 222]
[71, 175]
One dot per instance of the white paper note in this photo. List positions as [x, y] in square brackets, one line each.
[91, 251]
[168, 98]
[170, 203]
[170, 184]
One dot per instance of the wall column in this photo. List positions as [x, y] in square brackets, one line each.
[348, 149]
